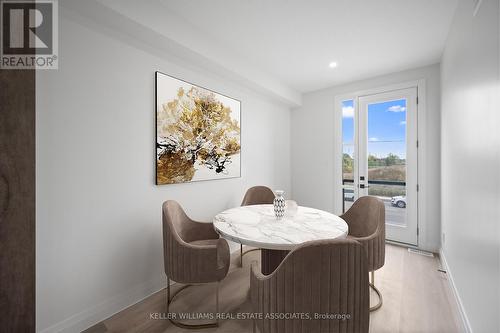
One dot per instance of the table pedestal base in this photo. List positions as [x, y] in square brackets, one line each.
[270, 260]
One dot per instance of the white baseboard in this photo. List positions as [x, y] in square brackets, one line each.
[463, 315]
[89, 317]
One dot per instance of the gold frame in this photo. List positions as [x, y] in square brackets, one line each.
[192, 326]
[380, 300]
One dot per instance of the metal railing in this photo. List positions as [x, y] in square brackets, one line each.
[377, 182]
[374, 182]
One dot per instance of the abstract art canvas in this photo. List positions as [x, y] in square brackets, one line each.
[197, 133]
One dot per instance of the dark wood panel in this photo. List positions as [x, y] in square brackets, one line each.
[17, 200]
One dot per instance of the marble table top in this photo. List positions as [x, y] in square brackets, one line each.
[257, 226]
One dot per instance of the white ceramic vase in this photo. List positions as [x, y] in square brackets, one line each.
[279, 204]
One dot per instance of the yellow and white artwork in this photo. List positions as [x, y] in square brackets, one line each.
[197, 133]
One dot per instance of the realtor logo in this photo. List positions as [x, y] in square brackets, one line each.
[29, 34]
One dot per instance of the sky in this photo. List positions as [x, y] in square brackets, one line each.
[386, 128]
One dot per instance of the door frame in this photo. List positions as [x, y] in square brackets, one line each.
[420, 84]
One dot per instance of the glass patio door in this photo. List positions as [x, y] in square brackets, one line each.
[380, 157]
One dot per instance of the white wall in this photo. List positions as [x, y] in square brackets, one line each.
[313, 147]
[99, 240]
[471, 162]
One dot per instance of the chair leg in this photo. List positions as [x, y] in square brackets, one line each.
[243, 253]
[217, 304]
[190, 326]
[372, 285]
[168, 294]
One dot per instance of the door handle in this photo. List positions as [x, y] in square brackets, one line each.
[363, 186]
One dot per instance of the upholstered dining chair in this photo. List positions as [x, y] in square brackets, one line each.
[193, 254]
[325, 278]
[366, 221]
[257, 195]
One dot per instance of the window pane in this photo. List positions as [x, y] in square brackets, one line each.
[348, 152]
[387, 157]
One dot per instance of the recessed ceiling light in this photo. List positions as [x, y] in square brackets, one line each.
[333, 64]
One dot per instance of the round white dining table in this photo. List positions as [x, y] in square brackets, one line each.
[257, 226]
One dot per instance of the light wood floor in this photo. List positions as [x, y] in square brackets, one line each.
[416, 299]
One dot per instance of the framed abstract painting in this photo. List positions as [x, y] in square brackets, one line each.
[197, 133]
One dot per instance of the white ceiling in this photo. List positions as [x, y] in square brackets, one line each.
[296, 40]
[293, 41]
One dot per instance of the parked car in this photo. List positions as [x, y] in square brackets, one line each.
[348, 195]
[399, 201]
